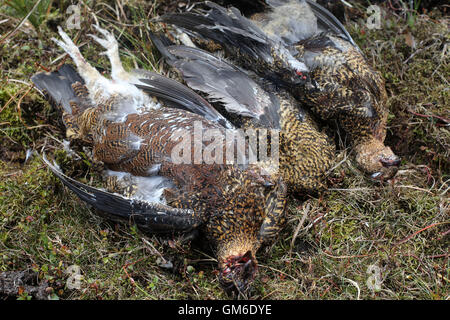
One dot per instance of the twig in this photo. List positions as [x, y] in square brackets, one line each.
[37, 64]
[417, 51]
[126, 265]
[300, 224]
[348, 257]
[338, 164]
[11, 99]
[350, 190]
[445, 255]
[154, 249]
[18, 81]
[21, 22]
[276, 270]
[441, 276]
[430, 116]
[19, 110]
[417, 232]
[415, 188]
[444, 234]
[355, 284]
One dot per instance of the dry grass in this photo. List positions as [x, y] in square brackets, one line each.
[397, 232]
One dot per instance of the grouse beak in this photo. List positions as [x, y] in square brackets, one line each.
[390, 168]
[377, 175]
[390, 162]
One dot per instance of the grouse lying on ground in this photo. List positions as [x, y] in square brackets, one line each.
[301, 46]
[235, 207]
[305, 153]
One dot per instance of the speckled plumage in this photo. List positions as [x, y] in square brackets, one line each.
[336, 81]
[343, 86]
[305, 154]
[235, 207]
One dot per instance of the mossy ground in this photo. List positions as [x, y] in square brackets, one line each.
[333, 244]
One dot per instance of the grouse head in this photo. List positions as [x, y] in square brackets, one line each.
[377, 159]
[237, 273]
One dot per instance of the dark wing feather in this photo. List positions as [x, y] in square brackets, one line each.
[245, 41]
[150, 217]
[329, 22]
[227, 27]
[223, 82]
[178, 95]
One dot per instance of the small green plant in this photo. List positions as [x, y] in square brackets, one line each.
[22, 8]
[412, 13]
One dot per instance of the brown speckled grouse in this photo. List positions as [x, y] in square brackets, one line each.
[305, 153]
[303, 47]
[235, 207]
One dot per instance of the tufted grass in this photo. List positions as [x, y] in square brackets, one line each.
[333, 245]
